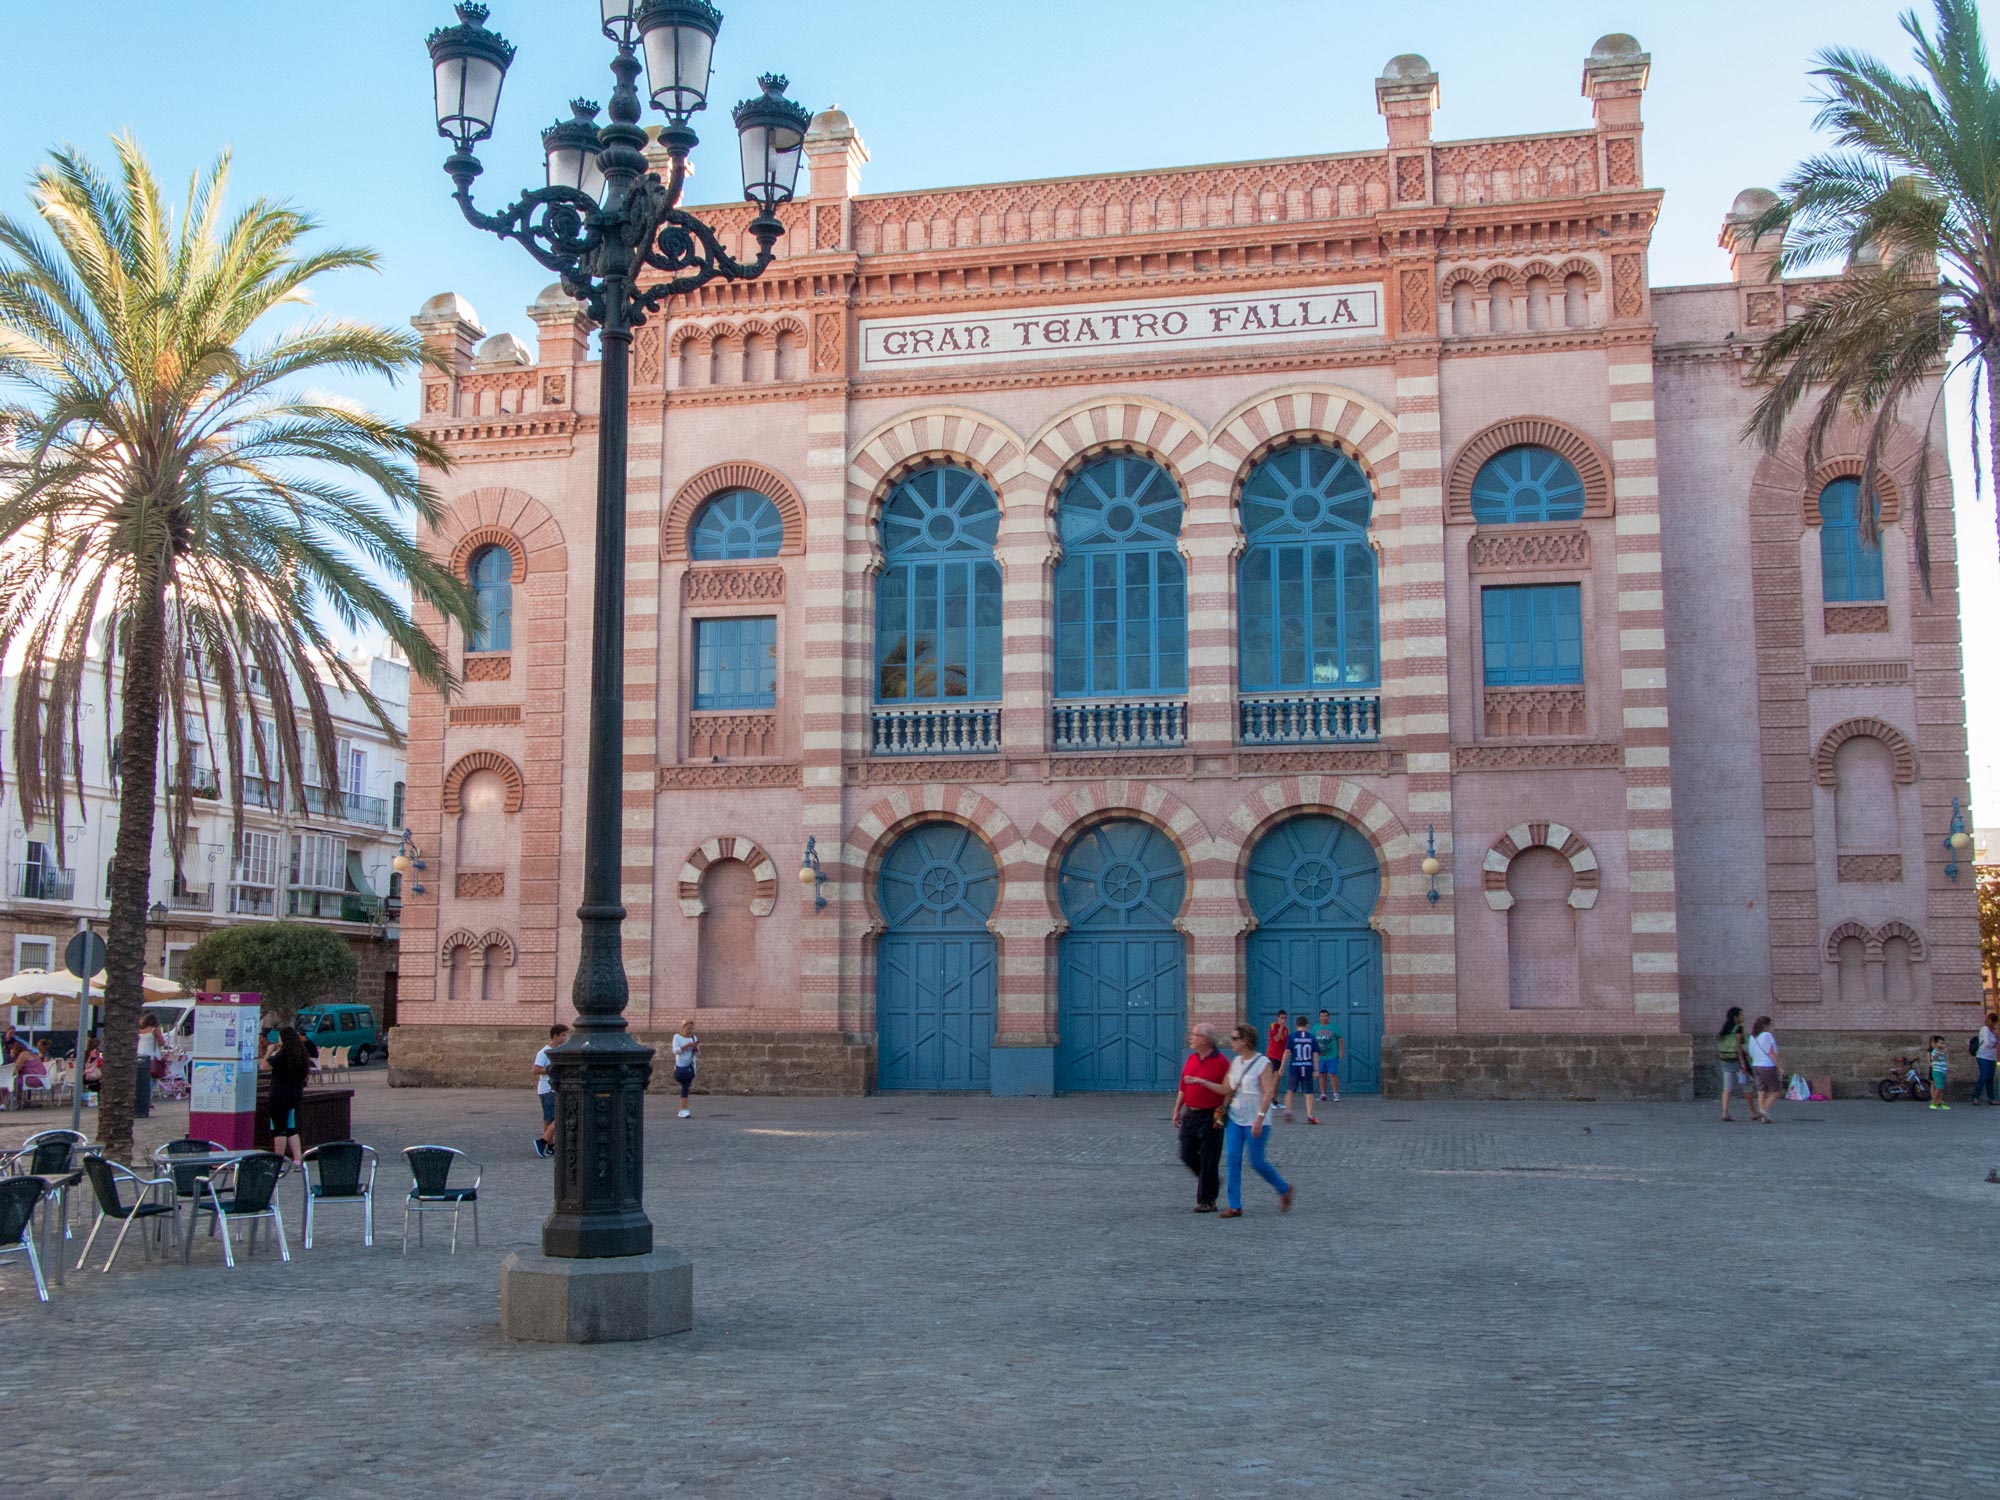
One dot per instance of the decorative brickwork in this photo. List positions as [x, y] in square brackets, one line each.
[1536, 757]
[917, 772]
[489, 666]
[1583, 455]
[1870, 869]
[1859, 673]
[1419, 300]
[480, 944]
[480, 884]
[826, 227]
[1551, 166]
[731, 736]
[1529, 549]
[1621, 162]
[1570, 844]
[703, 778]
[490, 536]
[1888, 497]
[1534, 711]
[1628, 286]
[648, 368]
[1410, 179]
[1903, 754]
[482, 760]
[765, 900]
[1857, 619]
[737, 475]
[490, 713]
[733, 583]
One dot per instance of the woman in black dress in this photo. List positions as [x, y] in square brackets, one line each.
[289, 1066]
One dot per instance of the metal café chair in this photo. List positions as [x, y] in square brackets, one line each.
[431, 1191]
[252, 1195]
[106, 1178]
[340, 1172]
[187, 1179]
[50, 1153]
[19, 1197]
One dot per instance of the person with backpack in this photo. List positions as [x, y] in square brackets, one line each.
[1729, 1063]
[1985, 1050]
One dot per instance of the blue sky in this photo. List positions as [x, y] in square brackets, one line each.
[330, 107]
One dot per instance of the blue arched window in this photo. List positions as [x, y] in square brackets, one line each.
[1307, 619]
[491, 573]
[937, 603]
[1850, 563]
[736, 524]
[1121, 588]
[1526, 484]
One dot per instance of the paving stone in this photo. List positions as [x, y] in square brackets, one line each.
[919, 1296]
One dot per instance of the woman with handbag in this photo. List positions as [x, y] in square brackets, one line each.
[1253, 1093]
[152, 1065]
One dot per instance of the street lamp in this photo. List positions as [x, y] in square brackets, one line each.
[601, 247]
[1957, 841]
[409, 860]
[1431, 865]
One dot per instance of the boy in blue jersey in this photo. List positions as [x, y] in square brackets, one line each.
[1301, 1059]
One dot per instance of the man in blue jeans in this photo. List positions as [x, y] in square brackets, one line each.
[545, 1090]
[1985, 1056]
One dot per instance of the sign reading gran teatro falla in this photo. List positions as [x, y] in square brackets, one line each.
[1099, 328]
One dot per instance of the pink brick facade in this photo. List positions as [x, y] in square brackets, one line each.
[1620, 858]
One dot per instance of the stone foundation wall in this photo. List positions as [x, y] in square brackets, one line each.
[1632, 1065]
[740, 1062]
[1855, 1060]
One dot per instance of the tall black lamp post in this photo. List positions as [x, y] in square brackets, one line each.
[602, 222]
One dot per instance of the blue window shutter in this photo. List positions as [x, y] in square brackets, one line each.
[736, 662]
[938, 618]
[491, 574]
[1526, 484]
[1850, 567]
[736, 525]
[1121, 588]
[1533, 634]
[1306, 584]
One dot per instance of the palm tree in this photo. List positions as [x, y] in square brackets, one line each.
[174, 511]
[1910, 199]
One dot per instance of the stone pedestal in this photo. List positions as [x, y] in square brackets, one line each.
[549, 1301]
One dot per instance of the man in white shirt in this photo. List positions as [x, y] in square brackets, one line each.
[545, 1090]
[1985, 1056]
[686, 1047]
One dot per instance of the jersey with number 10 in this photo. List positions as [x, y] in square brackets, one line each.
[1305, 1049]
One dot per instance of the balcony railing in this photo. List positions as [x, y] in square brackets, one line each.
[203, 782]
[1309, 718]
[43, 883]
[199, 899]
[1122, 724]
[332, 802]
[253, 901]
[259, 792]
[972, 730]
[334, 906]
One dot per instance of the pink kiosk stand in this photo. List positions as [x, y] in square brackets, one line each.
[222, 1071]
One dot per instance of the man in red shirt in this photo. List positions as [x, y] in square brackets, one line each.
[1275, 1040]
[1204, 1090]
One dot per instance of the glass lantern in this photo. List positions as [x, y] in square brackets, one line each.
[470, 64]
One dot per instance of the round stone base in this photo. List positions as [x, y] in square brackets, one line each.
[548, 1301]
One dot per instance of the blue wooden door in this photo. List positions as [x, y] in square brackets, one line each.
[936, 968]
[1313, 883]
[1121, 977]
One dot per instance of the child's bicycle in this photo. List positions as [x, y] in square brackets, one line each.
[1906, 1080]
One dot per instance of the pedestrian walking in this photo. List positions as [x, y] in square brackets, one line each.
[289, 1065]
[1253, 1094]
[152, 1063]
[1940, 1072]
[1328, 1036]
[1985, 1054]
[545, 1092]
[1764, 1068]
[1730, 1063]
[1199, 1104]
[1302, 1069]
[687, 1050]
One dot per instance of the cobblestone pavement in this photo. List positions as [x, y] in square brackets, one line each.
[918, 1296]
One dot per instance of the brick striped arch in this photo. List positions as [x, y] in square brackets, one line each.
[1903, 754]
[510, 518]
[463, 938]
[1904, 931]
[873, 833]
[1461, 276]
[1846, 930]
[1264, 423]
[1570, 844]
[1417, 975]
[483, 760]
[740, 475]
[1593, 279]
[1512, 275]
[1852, 466]
[1116, 424]
[1543, 432]
[490, 536]
[942, 434]
[761, 868]
[1081, 807]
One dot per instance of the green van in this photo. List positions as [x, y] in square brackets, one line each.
[349, 1028]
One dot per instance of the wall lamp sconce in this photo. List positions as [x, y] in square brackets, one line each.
[408, 858]
[812, 876]
[1431, 866]
[1957, 841]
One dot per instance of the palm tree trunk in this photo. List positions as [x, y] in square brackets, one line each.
[132, 872]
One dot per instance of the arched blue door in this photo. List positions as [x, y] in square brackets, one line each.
[1312, 882]
[936, 968]
[1121, 998]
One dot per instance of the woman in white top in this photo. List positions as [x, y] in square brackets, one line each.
[150, 1051]
[1253, 1085]
[1764, 1068]
[1986, 1055]
[686, 1047]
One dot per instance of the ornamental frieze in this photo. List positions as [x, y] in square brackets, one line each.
[737, 585]
[1514, 549]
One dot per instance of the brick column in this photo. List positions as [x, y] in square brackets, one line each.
[640, 875]
[1211, 540]
[837, 638]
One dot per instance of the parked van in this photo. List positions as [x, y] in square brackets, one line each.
[344, 1027]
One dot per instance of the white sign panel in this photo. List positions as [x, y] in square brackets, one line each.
[219, 1031]
[1162, 326]
[212, 1088]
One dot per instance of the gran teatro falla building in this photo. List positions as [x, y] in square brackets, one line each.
[1128, 582]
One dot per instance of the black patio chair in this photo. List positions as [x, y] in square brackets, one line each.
[431, 1191]
[19, 1197]
[106, 1179]
[251, 1194]
[346, 1174]
[49, 1153]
